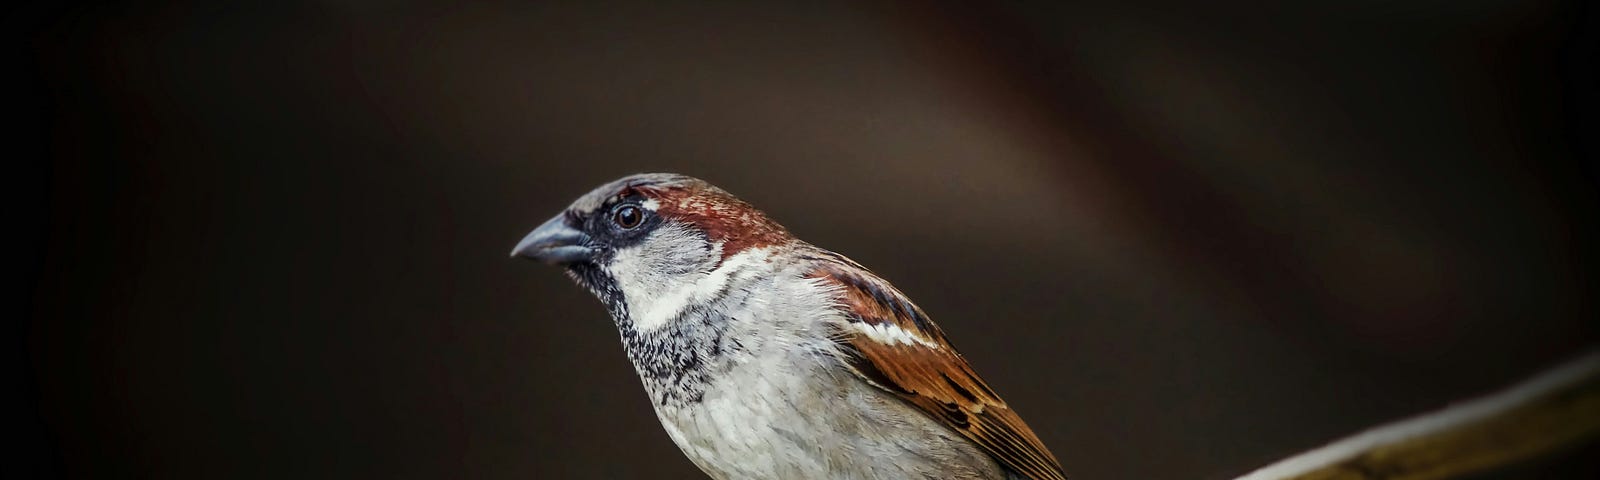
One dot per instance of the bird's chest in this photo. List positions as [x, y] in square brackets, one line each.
[761, 418]
[797, 415]
[748, 390]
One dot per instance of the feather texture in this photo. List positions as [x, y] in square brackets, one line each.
[891, 344]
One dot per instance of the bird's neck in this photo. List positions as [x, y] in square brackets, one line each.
[675, 360]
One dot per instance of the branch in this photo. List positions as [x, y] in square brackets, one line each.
[1557, 409]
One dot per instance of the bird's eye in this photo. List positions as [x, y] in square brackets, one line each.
[627, 216]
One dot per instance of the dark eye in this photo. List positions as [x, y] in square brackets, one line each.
[627, 216]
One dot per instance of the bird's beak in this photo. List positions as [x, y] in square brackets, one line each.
[555, 243]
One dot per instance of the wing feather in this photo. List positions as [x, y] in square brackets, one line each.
[917, 364]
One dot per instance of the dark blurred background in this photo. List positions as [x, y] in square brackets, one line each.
[1184, 239]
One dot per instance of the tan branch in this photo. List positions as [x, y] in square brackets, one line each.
[1555, 410]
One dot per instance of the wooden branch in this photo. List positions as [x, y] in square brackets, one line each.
[1555, 410]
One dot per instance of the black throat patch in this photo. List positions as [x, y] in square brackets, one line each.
[676, 360]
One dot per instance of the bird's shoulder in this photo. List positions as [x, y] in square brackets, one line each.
[890, 343]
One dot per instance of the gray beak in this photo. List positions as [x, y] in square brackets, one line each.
[555, 243]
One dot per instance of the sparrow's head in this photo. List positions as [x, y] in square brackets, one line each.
[644, 237]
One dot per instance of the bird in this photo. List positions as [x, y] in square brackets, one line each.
[766, 357]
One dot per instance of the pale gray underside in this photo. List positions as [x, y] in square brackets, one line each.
[796, 417]
[781, 405]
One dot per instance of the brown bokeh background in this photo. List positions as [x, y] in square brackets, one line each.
[1182, 240]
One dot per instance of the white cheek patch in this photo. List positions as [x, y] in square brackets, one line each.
[655, 296]
[891, 334]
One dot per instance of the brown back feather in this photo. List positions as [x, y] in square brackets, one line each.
[930, 374]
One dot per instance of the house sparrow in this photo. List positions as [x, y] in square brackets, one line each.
[768, 358]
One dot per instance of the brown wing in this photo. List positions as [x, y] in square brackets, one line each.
[919, 366]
